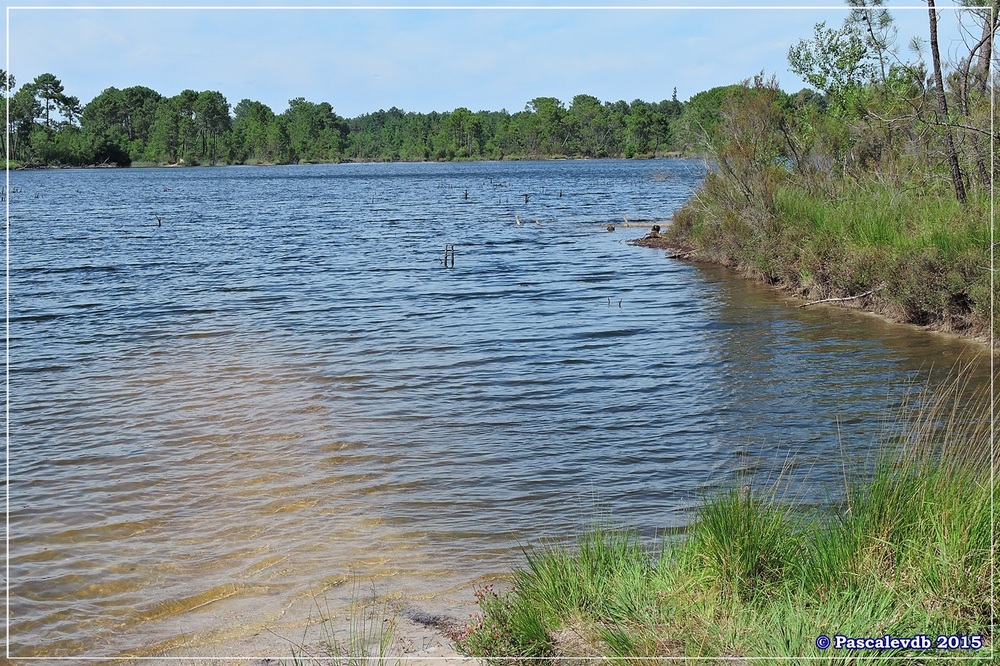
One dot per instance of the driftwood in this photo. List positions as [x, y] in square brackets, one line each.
[844, 298]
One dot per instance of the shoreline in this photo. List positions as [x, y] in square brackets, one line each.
[413, 640]
[510, 158]
[421, 630]
[677, 250]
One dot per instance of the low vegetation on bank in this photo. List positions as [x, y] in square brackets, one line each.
[916, 258]
[907, 553]
[883, 199]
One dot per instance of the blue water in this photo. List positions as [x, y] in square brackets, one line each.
[281, 386]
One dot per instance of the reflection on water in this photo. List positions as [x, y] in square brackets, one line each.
[282, 389]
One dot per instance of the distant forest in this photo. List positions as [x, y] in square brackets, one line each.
[138, 125]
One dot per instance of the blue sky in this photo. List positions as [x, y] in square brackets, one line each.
[417, 58]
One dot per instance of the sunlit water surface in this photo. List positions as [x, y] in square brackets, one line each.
[282, 389]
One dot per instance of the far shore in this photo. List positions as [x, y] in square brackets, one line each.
[17, 166]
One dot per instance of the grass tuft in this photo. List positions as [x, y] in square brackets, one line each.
[368, 640]
[747, 544]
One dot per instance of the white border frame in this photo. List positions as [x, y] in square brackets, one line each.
[418, 8]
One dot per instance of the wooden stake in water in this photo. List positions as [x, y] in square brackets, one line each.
[449, 251]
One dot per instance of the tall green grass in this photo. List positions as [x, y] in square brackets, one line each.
[888, 219]
[911, 550]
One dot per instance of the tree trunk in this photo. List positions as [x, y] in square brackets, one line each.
[986, 50]
[949, 144]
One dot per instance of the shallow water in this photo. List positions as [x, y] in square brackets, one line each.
[282, 389]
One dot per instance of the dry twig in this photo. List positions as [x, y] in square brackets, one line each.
[844, 298]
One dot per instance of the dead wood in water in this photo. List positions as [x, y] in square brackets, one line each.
[844, 298]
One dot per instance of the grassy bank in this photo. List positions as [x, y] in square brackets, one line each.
[924, 257]
[909, 552]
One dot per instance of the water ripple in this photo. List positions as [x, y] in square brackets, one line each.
[283, 387]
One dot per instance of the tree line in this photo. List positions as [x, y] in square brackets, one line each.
[867, 110]
[140, 125]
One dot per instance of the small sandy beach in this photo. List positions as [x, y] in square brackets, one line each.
[419, 636]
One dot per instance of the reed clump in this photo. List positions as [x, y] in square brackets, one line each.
[910, 551]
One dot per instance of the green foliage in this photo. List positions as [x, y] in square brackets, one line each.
[504, 628]
[874, 117]
[702, 113]
[197, 127]
[748, 545]
[211, 118]
[749, 146]
[315, 132]
[49, 90]
[257, 137]
[868, 187]
[836, 62]
[928, 254]
[70, 147]
[121, 120]
[605, 580]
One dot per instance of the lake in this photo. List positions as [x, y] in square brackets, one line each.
[279, 389]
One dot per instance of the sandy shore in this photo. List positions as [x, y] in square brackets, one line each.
[421, 633]
[413, 642]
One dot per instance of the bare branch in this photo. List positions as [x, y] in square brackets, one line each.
[845, 298]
